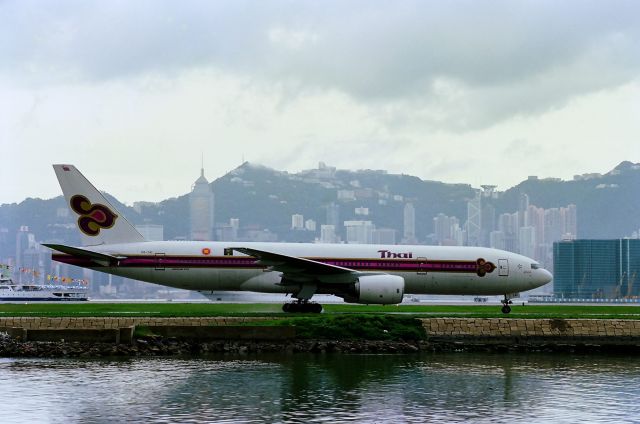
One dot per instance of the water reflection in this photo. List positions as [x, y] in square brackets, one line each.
[454, 387]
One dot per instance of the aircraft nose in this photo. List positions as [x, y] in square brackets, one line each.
[542, 277]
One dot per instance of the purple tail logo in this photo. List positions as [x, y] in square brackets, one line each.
[92, 217]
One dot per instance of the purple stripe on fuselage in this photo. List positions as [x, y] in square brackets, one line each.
[402, 265]
[43, 299]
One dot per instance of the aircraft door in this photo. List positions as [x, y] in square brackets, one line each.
[422, 266]
[159, 261]
[503, 267]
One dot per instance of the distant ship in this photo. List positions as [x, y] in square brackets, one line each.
[10, 292]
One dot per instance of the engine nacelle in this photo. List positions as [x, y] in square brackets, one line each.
[379, 289]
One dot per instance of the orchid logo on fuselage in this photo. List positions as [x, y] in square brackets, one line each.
[92, 217]
[484, 267]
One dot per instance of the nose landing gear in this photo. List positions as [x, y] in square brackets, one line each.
[505, 304]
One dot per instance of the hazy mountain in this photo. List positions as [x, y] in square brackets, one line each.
[608, 205]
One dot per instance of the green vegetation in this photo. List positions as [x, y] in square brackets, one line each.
[142, 331]
[165, 309]
[175, 309]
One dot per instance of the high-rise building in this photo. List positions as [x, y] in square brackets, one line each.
[297, 221]
[310, 225]
[527, 241]
[523, 205]
[488, 220]
[596, 268]
[508, 225]
[553, 225]
[496, 240]
[328, 234]
[474, 220]
[201, 205]
[24, 242]
[229, 232]
[571, 220]
[534, 218]
[359, 232]
[447, 230]
[549, 225]
[333, 214]
[151, 232]
[384, 236]
[409, 233]
[441, 228]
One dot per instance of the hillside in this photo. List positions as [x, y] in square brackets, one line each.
[264, 198]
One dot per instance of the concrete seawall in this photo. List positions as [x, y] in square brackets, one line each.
[121, 330]
[500, 327]
[440, 333]
[531, 333]
[118, 322]
[433, 326]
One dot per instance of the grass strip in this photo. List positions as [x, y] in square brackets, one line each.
[175, 309]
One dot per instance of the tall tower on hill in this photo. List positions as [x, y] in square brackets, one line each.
[201, 205]
[409, 233]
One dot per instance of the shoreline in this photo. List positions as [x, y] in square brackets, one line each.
[171, 347]
[143, 336]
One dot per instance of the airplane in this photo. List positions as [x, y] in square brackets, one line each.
[357, 273]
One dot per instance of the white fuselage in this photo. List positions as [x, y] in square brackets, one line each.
[213, 266]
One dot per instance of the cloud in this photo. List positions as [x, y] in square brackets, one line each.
[409, 86]
[486, 60]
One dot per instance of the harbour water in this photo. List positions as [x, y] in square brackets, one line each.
[304, 388]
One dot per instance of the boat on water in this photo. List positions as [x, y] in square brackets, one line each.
[11, 292]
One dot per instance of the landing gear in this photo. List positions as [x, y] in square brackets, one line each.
[505, 305]
[302, 306]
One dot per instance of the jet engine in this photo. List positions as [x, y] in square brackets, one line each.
[378, 289]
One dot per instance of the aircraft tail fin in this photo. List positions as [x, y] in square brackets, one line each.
[98, 221]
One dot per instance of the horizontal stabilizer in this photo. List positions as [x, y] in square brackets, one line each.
[100, 258]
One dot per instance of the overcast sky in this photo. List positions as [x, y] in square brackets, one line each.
[482, 92]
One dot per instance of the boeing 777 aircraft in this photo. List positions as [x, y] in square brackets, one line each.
[369, 274]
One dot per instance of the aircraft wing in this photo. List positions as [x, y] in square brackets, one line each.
[296, 268]
[100, 258]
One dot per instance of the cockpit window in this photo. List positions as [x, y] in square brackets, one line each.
[535, 266]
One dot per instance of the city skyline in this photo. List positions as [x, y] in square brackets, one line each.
[351, 217]
[530, 230]
[477, 217]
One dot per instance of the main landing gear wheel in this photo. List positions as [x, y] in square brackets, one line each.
[505, 305]
[302, 307]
